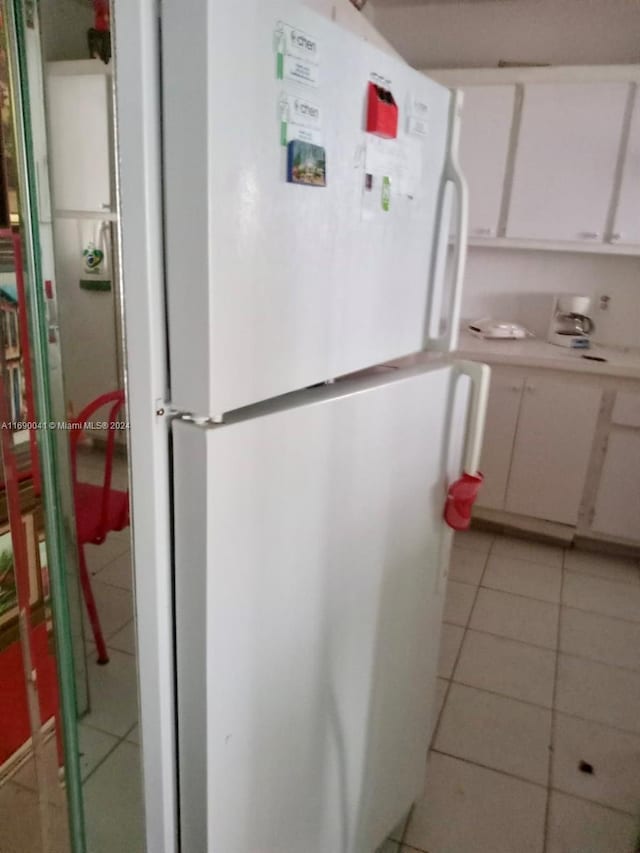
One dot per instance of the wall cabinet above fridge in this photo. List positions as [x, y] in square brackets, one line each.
[555, 164]
[79, 119]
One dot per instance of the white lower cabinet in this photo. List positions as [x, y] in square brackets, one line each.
[538, 443]
[552, 450]
[617, 506]
[500, 433]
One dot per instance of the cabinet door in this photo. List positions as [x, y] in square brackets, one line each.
[552, 449]
[617, 507]
[626, 224]
[626, 411]
[499, 435]
[80, 141]
[484, 149]
[566, 160]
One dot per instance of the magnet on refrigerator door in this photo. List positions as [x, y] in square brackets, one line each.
[306, 164]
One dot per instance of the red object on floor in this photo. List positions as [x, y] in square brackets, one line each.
[460, 500]
[99, 509]
[14, 712]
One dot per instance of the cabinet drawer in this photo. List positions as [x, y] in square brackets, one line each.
[626, 410]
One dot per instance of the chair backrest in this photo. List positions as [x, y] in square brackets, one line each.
[115, 400]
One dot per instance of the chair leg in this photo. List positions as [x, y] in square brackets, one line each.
[92, 610]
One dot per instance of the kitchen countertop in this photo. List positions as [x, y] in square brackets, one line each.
[536, 352]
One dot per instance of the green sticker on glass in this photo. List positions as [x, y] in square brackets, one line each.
[386, 194]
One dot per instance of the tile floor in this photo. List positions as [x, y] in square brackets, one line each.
[539, 671]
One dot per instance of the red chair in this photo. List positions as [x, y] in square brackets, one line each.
[99, 509]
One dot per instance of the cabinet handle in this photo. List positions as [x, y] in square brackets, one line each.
[615, 237]
[482, 232]
[531, 389]
[588, 235]
[514, 388]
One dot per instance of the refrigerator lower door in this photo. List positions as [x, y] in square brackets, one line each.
[309, 593]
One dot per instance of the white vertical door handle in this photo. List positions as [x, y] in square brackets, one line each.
[480, 375]
[453, 176]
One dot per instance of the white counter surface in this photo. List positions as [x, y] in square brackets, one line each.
[536, 352]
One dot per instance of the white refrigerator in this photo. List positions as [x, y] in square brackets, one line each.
[308, 180]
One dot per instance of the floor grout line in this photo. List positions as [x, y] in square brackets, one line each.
[501, 695]
[465, 628]
[511, 639]
[557, 710]
[620, 583]
[115, 746]
[489, 767]
[547, 811]
[600, 613]
[600, 662]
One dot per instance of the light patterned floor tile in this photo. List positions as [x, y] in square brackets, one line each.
[441, 693]
[474, 540]
[525, 549]
[603, 565]
[450, 642]
[115, 606]
[576, 826]
[125, 639]
[497, 732]
[118, 572]
[610, 598]
[94, 747]
[613, 755]
[517, 617]
[595, 691]
[469, 809]
[458, 603]
[466, 566]
[113, 803]
[601, 638]
[113, 690]
[507, 667]
[522, 577]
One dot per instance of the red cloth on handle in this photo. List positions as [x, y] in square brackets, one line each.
[460, 500]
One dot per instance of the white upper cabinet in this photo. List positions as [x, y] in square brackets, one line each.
[79, 107]
[626, 223]
[566, 161]
[484, 150]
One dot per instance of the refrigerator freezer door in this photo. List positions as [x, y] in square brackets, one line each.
[272, 285]
[309, 593]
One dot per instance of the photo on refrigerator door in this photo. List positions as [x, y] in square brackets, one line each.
[306, 164]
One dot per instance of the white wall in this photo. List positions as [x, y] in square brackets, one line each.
[466, 34]
[64, 25]
[519, 286]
